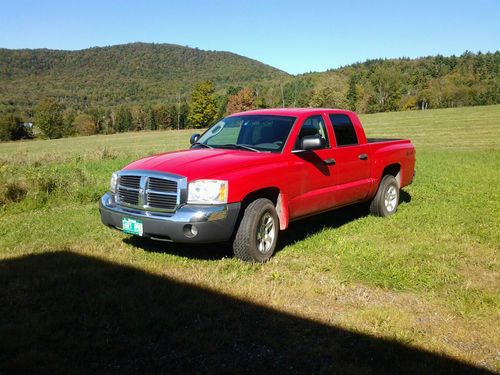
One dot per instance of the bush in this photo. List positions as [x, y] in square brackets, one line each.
[13, 191]
[84, 124]
[408, 103]
[12, 128]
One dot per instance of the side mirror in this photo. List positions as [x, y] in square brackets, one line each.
[312, 142]
[194, 138]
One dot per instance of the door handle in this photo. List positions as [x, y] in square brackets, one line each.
[363, 157]
[329, 161]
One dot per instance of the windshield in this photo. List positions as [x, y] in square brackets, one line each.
[249, 132]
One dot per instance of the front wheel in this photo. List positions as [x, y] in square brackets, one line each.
[386, 200]
[257, 235]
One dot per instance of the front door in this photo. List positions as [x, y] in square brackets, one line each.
[312, 171]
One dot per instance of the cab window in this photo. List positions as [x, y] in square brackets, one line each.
[345, 134]
[314, 125]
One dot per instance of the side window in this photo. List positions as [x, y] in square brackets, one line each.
[312, 126]
[344, 130]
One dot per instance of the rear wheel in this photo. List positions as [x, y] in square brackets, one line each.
[257, 235]
[386, 200]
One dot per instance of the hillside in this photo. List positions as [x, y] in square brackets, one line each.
[119, 74]
[402, 84]
[142, 75]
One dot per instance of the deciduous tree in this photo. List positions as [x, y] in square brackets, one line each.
[49, 118]
[85, 124]
[203, 105]
[241, 101]
[385, 83]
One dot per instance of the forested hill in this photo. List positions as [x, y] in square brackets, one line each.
[402, 84]
[141, 76]
[130, 73]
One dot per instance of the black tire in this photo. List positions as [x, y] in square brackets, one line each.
[258, 215]
[386, 201]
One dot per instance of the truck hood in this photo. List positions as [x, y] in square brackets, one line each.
[202, 163]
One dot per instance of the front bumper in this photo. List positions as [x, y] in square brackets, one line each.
[213, 223]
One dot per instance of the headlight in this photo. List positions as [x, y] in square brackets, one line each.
[114, 182]
[207, 192]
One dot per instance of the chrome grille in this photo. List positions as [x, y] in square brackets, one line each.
[164, 201]
[159, 184]
[131, 181]
[128, 196]
[160, 192]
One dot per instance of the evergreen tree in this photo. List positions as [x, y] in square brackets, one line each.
[123, 120]
[164, 116]
[352, 95]
[150, 121]
[183, 116]
[203, 106]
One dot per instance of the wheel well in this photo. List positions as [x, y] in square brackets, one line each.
[393, 170]
[270, 193]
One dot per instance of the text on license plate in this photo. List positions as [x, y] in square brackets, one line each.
[132, 226]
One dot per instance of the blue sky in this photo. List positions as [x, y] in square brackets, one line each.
[295, 36]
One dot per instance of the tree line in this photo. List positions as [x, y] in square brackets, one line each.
[372, 86]
[54, 120]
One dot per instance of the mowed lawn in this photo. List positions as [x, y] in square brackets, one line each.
[418, 292]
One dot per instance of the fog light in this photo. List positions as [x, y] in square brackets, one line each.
[190, 230]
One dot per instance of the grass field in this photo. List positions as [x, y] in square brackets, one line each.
[418, 292]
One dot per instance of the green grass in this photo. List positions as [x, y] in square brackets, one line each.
[427, 277]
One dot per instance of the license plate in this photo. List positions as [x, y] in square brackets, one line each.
[132, 226]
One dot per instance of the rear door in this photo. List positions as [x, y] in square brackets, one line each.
[352, 167]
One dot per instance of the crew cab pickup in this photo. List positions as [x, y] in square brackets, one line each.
[249, 175]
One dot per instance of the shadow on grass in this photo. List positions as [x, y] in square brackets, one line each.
[297, 231]
[191, 251]
[62, 312]
[301, 229]
[404, 197]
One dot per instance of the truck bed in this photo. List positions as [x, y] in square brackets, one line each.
[376, 140]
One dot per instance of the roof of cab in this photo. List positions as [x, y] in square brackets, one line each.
[288, 111]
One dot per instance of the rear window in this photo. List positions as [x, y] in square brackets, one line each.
[343, 128]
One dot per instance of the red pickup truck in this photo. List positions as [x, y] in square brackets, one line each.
[246, 177]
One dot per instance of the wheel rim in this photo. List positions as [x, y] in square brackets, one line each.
[266, 232]
[391, 198]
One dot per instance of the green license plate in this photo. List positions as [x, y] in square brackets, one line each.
[132, 226]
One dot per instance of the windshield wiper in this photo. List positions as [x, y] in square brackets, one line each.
[201, 144]
[244, 147]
